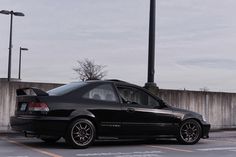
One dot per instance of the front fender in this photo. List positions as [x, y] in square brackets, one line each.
[192, 116]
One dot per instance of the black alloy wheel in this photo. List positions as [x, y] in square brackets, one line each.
[81, 133]
[190, 132]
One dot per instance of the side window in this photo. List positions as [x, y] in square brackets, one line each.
[137, 96]
[103, 92]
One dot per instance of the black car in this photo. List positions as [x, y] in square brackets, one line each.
[81, 112]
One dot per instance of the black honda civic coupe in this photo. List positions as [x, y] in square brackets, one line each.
[81, 112]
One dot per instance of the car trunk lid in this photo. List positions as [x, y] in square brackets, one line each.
[29, 102]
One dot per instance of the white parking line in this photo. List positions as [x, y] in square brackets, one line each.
[123, 154]
[18, 156]
[140, 155]
[41, 151]
[217, 149]
[171, 148]
[220, 141]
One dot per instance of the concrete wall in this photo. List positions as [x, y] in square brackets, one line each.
[218, 108]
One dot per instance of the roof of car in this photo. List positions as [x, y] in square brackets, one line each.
[109, 80]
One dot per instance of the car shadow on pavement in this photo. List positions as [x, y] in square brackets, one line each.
[136, 142]
[101, 143]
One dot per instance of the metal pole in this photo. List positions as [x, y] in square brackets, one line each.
[10, 47]
[19, 74]
[151, 48]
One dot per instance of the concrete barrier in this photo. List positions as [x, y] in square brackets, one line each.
[218, 108]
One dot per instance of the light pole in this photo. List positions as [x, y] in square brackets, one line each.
[11, 13]
[21, 49]
[151, 46]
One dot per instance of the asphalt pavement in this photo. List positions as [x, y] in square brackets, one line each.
[221, 143]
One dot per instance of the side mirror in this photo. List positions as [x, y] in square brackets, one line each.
[128, 102]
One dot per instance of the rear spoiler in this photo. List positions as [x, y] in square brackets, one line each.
[37, 91]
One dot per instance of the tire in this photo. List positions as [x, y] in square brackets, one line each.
[50, 139]
[80, 134]
[190, 132]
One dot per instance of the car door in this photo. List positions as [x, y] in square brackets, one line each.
[142, 113]
[106, 107]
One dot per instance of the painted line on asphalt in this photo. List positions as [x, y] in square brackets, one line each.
[225, 141]
[123, 154]
[18, 156]
[229, 132]
[171, 148]
[33, 148]
[217, 149]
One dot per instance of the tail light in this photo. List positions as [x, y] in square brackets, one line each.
[38, 106]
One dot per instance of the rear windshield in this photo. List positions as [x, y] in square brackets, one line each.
[66, 88]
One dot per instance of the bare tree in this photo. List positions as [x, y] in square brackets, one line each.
[88, 70]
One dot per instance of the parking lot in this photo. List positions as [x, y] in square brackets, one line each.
[221, 143]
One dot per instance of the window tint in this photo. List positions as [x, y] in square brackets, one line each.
[137, 96]
[102, 92]
[66, 88]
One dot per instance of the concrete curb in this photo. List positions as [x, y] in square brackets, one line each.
[8, 132]
[226, 129]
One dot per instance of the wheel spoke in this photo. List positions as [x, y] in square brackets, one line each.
[189, 126]
[88, 129]
[76, 133]
[77, 127]
[184, 130]
[80, 126]
[78, 136]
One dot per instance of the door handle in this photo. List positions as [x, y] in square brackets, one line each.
[130, 110]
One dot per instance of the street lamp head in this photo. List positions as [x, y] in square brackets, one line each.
[18, 14]
[21, 49]
[25, 49]
[6, 12]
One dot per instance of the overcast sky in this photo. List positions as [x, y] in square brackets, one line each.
[195, 40]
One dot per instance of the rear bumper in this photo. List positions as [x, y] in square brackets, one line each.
[39, 125]
[205, 130]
